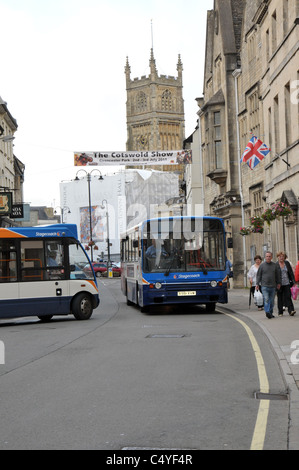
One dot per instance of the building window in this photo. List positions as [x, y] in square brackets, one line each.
[276, 124]
[253, 104]
[287, 99]
[252, 46]
[217, 139]
[285, 17]
[141, 102]
[257, 199]
[218, 154]
[243, 133]
[218, 62]
[270, 127]
[274, 32]
[166, 101]
[267, 45]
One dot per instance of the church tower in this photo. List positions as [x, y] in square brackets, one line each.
[155, 110]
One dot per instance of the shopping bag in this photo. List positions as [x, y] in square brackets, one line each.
[294, 291]
[258, 298]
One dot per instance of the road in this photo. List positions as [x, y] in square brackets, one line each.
[173, 379]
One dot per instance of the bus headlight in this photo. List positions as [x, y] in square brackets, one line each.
[158, 285]
[213, 283]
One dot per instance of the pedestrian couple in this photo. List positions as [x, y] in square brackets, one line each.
[272, 277]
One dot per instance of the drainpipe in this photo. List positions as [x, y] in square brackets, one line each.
[236, 74]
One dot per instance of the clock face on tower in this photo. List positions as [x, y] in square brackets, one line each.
[142, 141]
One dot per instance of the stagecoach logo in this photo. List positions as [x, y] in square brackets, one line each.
[186, 276]
[53, 234]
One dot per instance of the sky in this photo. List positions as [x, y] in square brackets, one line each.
[62, 75]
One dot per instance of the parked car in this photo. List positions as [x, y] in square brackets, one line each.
[116, 271]
[99, 268]
[78, 273]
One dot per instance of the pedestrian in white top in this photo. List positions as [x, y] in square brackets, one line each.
[252, 277]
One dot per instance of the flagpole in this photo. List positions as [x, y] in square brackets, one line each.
[236, 74]
[277, 155]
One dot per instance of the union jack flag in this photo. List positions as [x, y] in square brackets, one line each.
[254, 153]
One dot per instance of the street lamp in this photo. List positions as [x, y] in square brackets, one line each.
[89, 203]
[108, 239]
[61, 211]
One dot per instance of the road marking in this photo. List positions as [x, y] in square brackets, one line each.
[259, 434]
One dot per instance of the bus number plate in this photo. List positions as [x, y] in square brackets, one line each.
[186, 293]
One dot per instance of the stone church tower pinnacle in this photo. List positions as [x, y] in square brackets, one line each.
[155, 109]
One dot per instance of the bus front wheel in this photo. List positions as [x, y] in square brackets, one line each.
[211, 307]
[82, 307]
[45, 318]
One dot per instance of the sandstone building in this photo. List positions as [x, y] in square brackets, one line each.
[11, 168]
[251, 84]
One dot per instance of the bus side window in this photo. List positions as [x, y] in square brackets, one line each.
[54, 253]
[8, 262]
[32, 260]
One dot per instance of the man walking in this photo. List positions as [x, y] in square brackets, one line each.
[269, 279]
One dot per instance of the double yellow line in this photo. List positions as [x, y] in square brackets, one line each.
[260, 429]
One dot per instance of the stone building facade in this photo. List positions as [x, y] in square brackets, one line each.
[218, 125]
[268, 108]
[155, 111]
[251, 87]
[11, 168]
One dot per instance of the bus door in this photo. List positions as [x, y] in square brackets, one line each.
[8, 272]
[43, 276]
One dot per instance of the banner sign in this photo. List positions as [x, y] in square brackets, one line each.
[149, 157]
[5, 203]
[17, 211]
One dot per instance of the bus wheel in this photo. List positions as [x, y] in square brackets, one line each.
[82, 307]
[211, 307]
[129, 302]
[45, 318]
[145, 309]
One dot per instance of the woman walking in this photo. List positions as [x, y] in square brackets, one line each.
[284, 295]
[252, 276]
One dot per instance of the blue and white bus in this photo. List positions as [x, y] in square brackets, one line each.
[175, 260]
[41, 273]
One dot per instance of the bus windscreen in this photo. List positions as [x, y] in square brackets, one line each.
[183, 245]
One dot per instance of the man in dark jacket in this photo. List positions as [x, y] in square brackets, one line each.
[269, 278]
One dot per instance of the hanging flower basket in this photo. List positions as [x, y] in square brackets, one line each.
[257, 224]
[257, 229]
[281, 209]
[91, 243]
[274, 212]
[245, 230]
[268, 215]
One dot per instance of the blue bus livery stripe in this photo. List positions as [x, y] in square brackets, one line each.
[39, 306]
[55, 230]
[35, 306]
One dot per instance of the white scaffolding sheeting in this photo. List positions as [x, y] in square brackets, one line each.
[146, 189]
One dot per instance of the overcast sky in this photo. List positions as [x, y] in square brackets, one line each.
[62, 75]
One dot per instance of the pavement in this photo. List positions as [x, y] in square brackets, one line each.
[283, 334]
